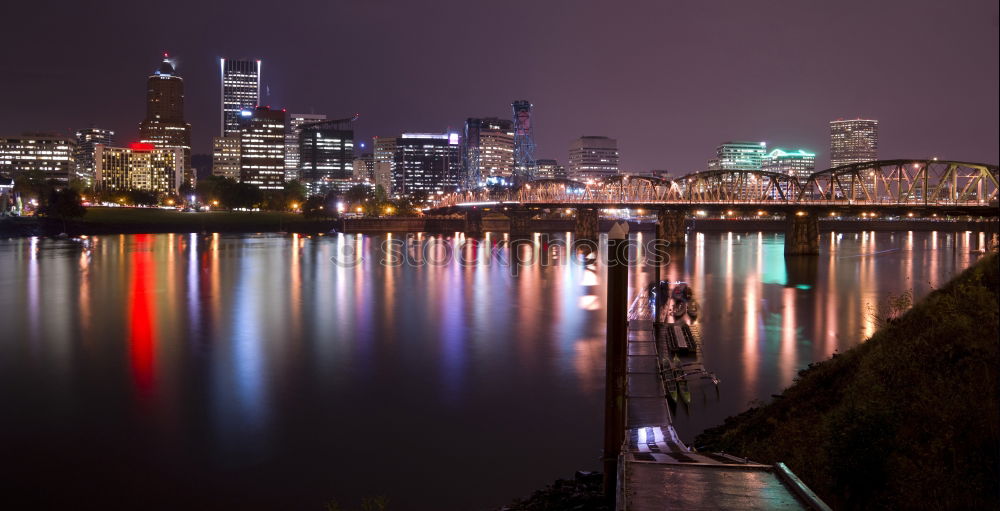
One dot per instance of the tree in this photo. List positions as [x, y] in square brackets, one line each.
[295, 191]
[63, 204]
[317, 206]
[358, 194]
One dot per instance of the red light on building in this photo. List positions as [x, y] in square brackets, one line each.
[141, 146]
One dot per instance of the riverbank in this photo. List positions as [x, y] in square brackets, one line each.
[102, 220]
[908, 419]
[99, 220]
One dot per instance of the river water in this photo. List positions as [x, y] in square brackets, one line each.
[282, 371]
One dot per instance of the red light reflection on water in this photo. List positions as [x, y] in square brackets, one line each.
[142, 316]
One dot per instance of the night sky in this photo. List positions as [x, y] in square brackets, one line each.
[669, 80]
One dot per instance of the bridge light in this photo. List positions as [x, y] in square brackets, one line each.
[832, 213]
[800, 213]
[863, 215]
[640, 211]
[760, 213]
[910, 215]
[730, 212]
[700, 212]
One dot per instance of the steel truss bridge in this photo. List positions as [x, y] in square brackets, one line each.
[940, 185]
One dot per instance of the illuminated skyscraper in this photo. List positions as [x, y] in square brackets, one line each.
[489, 150]
[427, 163]
[364, 168]
[141, 166]
[226, 157]
[86, 140]
[295, 122]
[50, 154]
[164, 124]
[798, 164]
[549, 169]
[853, 141]
[593, 157]
[326, 155]
[240, 79]
[262, 148]
[740, 156]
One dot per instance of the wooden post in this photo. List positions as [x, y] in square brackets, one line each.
[617, 351]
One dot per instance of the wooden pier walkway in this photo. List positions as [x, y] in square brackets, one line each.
[658, 472]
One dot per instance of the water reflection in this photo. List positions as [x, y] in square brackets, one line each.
[266, 365]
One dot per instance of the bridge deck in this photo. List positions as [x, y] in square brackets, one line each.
[660, 472]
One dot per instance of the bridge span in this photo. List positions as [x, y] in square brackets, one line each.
[879, 188]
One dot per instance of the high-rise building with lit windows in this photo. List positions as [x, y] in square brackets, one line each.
[164, 124]
[364, 167]
[549, 169]
[49, 154]
[593, 157]
[853, 141]
[326, 155]
[798, 163]
[739, 156]
[294, 127]
[141, 166]
[489, 149]
[86, 140]
[426, 163]
[240, 81]
[262, 148]
[226, 157]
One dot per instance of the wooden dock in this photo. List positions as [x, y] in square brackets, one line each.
[658, 472]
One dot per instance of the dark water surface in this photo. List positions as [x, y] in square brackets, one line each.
[279, 372]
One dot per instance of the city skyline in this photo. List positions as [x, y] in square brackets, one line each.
[670, 114]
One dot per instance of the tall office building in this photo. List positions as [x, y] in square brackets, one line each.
[384, 152]
[226, 157]
[739, 156]
[489, 150]
[593, 157]
[798, 163]
[164, 124]
[853, 141]
[240, 80]
[140, 166]
[426, 163]
[549, 169]
[295, 122]
[86, 141]
[326, 155]
[50, 154]
[364, 168]
[262, 148]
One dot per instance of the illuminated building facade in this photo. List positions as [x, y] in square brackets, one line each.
[364, 167]
[226, 157]
[798, 163]
[140, 166]
[326, 155]
[427, 163]
[240, 80]
[295, 122]
[549, 169]
[86, 141]
[739, 156]
[262, 148]
[51, 155]
[853, 141]
[489, 150]
[593, 157]
[164, 124]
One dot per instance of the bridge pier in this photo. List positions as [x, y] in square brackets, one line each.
[587, 224]
[802, 234]
[474, 223]
[670, 227]
[520, 222]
